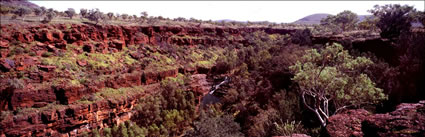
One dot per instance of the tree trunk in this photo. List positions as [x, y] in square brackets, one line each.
[316, 110]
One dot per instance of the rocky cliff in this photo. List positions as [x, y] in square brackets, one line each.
[57, 79]
[407, 120]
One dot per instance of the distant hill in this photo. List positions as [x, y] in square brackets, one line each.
[312, 19]
[315, 18]
[18, 3]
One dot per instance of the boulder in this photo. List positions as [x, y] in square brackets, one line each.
[407, 120]
[136, 55]
[47, 67]
[347, 124]
[118, 44]
[4, 44]
[6, 65]
[199, 83]
[82, 62]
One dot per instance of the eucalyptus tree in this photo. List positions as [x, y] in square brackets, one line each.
[332, 77]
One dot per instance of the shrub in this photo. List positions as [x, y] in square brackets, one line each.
[393, 19]
[287, 128]
[302, 37]
[216, 126]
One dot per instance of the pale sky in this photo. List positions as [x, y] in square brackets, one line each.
[273, 11]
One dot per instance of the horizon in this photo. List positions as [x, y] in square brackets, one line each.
[225, 10]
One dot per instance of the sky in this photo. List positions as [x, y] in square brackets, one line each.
[273, 11]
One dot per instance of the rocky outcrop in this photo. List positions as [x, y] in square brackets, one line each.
[65, 93]
[72, 120]
[120, 36]
[347, 124]
[50, 104]
[406, 120]
[363, 42]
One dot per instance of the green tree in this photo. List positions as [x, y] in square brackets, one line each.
[94, 15]
[334, 76]
[70, 12]
[83, 13]
[369, 23]
[393, 19]
[123, 130]
[345, 20]
[107, 132]
[95, 133]
[22, 12]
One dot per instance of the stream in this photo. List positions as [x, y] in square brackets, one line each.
[210, 98]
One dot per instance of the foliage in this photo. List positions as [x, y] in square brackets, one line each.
[345, 20]
[125, 129]
[83, 12]
[369, 23]
[110, 15]
[70, 12]
[287, 128]
[393, 19]
[38, 11]
[420, 17]
[124, 16]
[213, 125]
[94, 15]
[169, 112]
[144, 14]
[302, 37]
[49, 17]
[259, 93]
[333, 76]
[22, 12]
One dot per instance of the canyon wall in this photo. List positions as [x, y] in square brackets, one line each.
[37, 109]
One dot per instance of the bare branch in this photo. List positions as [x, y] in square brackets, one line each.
[305, 103]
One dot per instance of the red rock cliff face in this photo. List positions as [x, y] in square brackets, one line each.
[128, 35]
[69, 118]
[407, 120]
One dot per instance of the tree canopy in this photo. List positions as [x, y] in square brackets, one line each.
[345, 20]
[70, 12]
[334, 76]
[393, 19]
